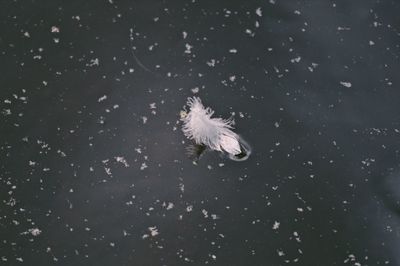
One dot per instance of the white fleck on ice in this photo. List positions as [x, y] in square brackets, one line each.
[233, 51]
[122, 160]
[55, 29]
[295, 60]
[276, 225]
[153, 230]
[214, 216]
[188, 48]
[94, 62]
[35, 231]
[211, 63]
[259, 12]
[249, 32]
[346, 84]
[143, 166]
[108, 171]
[102, 98]
[184, 34]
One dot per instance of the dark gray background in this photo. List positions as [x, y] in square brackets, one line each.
[325, 163]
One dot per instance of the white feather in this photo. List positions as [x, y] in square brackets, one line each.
[215, 133]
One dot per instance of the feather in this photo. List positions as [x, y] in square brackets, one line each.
[215, 133]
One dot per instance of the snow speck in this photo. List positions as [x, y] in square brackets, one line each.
[102, 98]
[153, 230]
[55, 29]
[170, 206]
[295, 60]
[188, 48]
[122, 160]
[346, 84]
[143, 166]
[94, 62]
[211, 63]
[35, 231]
[259, 12]
[276, 225]
[195, 90]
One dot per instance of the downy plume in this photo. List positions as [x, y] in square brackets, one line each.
[215, 133]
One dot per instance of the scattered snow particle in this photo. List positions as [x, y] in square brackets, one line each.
[35, 231]
[205, 213]
[143, 166]
[108, 171]
[249, 32]
[184, 34]
[195, 90]
[102, 98]
[233, 51]
[295, 60]
[259, 12]
[346, 84]
[170, 206]
[211, 63]
[122, 160]
[94, 62]
[55, 29]
[188, 48]
[276, 225]
[214, 216]
[153, 230]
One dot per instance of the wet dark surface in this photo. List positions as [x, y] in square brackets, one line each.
[93, 168]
